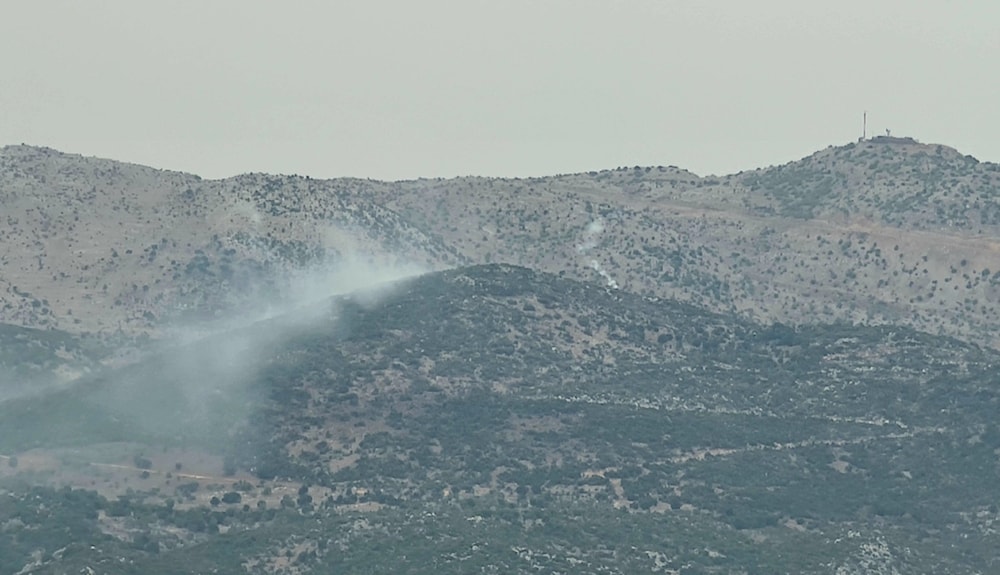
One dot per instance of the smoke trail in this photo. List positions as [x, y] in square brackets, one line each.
[604, 274]
[591, 237]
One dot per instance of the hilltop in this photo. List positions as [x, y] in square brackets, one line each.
[874, 232]
[879, 232]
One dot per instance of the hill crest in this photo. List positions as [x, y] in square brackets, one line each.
[875, 231]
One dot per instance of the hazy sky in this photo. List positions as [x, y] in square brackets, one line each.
[404, 88]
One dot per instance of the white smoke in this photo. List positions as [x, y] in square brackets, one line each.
[368, 279]
[596, 265]
[591, 238]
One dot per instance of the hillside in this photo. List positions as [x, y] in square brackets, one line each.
[95, 246]
[885, 231]
[494, 418]
[879, 231]
[788, 370]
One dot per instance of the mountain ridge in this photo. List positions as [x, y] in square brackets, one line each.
[870, 231]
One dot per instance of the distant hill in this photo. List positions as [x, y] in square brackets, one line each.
[884, 231]
[495, 416]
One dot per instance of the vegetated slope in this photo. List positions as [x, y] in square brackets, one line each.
[885, 231]
[497, 416]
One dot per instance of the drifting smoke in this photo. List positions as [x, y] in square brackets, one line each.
[596, 265]
[591, 238]
[367, 279]
[369, 282]
[202, 383]
[214, 369]
[12, 387]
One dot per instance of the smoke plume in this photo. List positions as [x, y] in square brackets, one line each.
[591, 239]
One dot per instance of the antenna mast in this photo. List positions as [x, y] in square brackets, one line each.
[864, 125]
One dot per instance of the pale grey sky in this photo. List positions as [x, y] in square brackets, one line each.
[403, 88]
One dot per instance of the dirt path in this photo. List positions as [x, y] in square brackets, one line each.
[701, 454]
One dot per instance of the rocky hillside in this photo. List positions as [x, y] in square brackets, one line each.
[93, 245]
[882, 231]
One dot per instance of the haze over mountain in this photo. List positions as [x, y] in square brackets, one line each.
[632, 370]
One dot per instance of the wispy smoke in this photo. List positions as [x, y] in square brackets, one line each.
[591, 238]
[368, 280]
[202, 380]
[204, 383]
[596, 265]
[229, 351]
